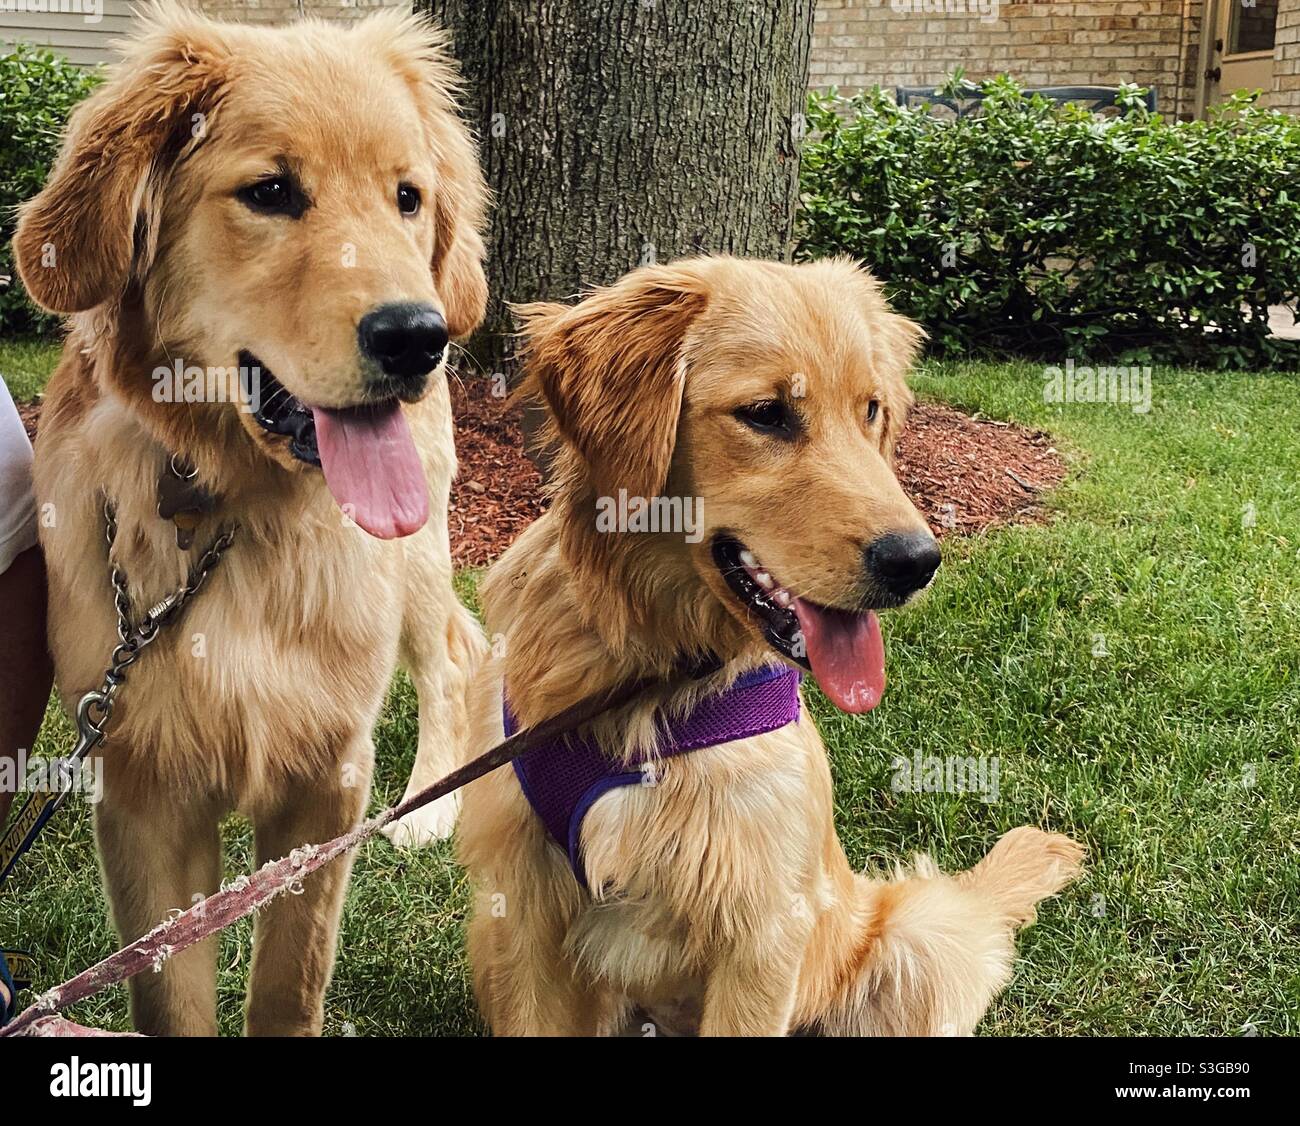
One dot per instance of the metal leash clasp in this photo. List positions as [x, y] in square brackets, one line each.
[90, 728]
[93, 711]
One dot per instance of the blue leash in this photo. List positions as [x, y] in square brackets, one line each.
[16, 970]
[22, 833]
[37, 810]
[7, 980]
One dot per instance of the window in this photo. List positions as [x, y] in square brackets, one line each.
[1252, 26]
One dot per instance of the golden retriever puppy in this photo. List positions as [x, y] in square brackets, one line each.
[264, 239]
[708, 889]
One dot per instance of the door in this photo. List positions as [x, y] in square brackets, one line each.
[1241, 56]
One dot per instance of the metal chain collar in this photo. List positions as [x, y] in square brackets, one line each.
[96, 706]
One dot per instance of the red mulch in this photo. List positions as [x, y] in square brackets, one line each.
[963, 473]
[29, 413]
[497, 493]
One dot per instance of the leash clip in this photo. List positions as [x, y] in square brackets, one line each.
[91, 729]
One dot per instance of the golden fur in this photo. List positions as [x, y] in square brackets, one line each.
[724, 901]
[263, 698]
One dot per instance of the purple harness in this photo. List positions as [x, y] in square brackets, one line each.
[563, 778]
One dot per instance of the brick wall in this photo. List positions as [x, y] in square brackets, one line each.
[285, 11]
[1286, 58]
[859, 43]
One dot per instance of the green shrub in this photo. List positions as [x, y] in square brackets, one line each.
[37, 92]
[1044, 230]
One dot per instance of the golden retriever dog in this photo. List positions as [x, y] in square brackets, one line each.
[718, 898]
[295, 210]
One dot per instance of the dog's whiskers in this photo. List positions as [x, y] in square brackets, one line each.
[477, 365]
[283, 392]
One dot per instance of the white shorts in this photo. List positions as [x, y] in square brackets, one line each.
[17, 501]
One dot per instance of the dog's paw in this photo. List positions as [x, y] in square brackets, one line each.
[425, 826]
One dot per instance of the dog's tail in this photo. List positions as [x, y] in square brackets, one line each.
[1025, 867]
[932, 951]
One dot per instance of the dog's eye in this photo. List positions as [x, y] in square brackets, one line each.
[408, 199]
[770, 416]
[274, 194]
[873, 409]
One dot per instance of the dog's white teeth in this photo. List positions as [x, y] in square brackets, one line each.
[782, 598]
[764, 580]
[748, 559]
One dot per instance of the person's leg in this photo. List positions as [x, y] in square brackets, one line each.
[25, 670]
[25, 667]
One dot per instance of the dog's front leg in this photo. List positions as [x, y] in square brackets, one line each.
[525, 981]
[295, 937]
[443, 649]
[751, 991]
[156, 858]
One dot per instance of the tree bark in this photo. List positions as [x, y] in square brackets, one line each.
[621, 132]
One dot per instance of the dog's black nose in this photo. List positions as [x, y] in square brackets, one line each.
[405, 339]
[903, 562]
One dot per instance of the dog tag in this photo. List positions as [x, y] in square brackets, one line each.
[182, 500]
[185, 522]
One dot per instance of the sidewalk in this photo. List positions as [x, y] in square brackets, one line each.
[1282, 322]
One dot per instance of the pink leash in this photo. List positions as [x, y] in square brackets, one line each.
[250, 893]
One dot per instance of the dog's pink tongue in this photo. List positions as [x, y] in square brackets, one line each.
[373, 469]
[847, 655]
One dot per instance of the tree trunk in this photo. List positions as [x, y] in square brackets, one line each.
[617, 133]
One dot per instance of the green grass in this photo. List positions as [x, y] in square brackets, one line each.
[1188, 919]
[26, 363]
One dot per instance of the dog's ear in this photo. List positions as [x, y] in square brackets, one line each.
[420, 53]
[895, 344]
[900, 343]
[93, 225]
[461, 202]
[611, 371]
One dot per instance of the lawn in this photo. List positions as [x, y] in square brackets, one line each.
[1132, 666]
[26, 364]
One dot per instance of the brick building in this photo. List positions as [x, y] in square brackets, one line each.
[1190, 51]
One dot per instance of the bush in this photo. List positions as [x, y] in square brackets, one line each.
[37, 92]
[1044, 230]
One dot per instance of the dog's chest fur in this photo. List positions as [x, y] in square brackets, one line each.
[286, 651]
[675, 891]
